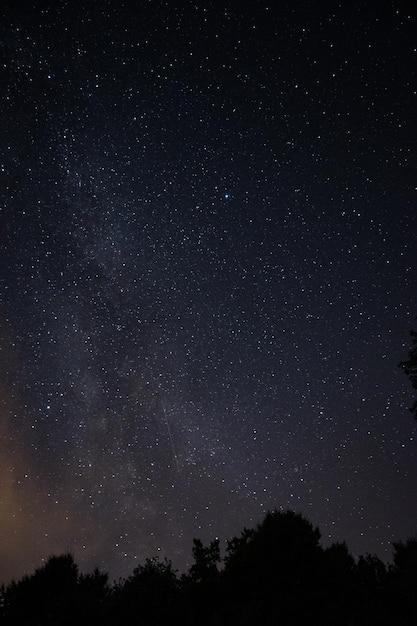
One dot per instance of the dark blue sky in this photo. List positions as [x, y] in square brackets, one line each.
[208, 274]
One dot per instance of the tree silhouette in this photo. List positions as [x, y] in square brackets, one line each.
[410, 367]
[403, 575]
[372, 588]
[271, 571]
[275, 573]
[45, 597]
[206, 560]
[202, 587]
[149, 596]
[338, 592]
[93, 593]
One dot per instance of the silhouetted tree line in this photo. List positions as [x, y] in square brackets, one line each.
[275, 574]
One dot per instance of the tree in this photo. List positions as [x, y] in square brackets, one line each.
[45, 597]
[337, 592]
[93, 594]
[206, 559]
[149, 596]
[410, 367]
[403, 581]
[202, 588]
[373, 591]
[271, 572]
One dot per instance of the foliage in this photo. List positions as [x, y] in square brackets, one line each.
[150, 595]
[410, 367]
[275, 573]
[46, 597]
[206, 560]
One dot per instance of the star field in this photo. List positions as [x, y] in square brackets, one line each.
[208, 275]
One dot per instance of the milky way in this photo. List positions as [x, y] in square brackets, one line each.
[208, 275]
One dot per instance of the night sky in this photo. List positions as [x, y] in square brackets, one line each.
[208, 273]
